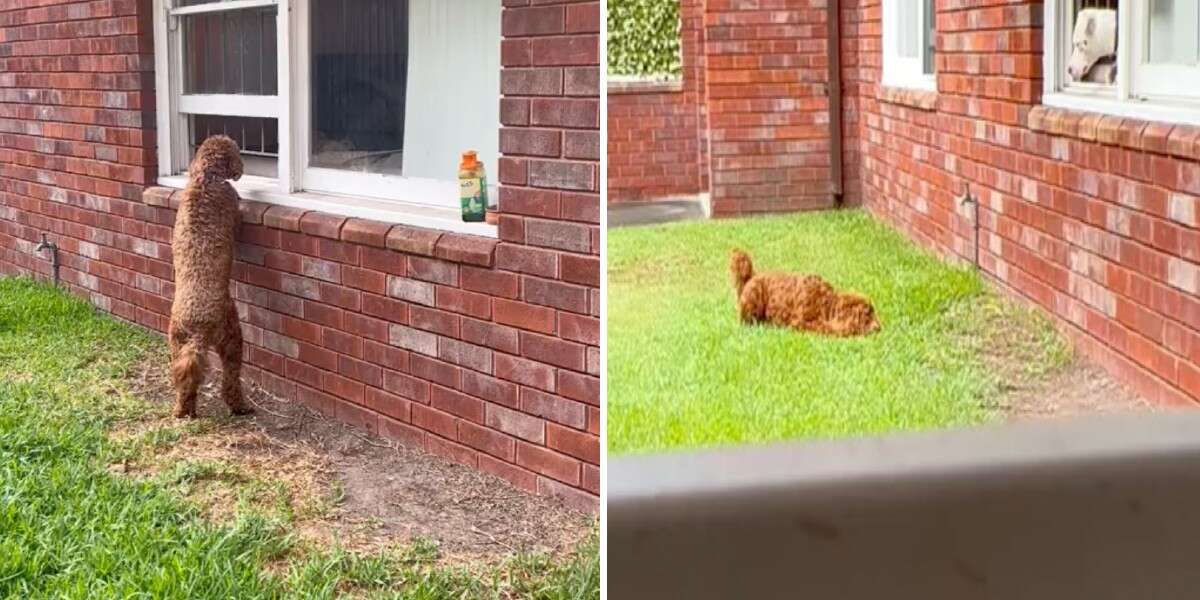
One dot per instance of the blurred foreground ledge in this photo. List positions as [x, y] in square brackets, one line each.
[1092, 508]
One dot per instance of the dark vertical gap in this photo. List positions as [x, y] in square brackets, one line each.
[834, 93]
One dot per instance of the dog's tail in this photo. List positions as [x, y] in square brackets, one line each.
[186, 368]
[741, 268]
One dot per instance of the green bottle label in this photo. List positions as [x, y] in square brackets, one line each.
[473, 194]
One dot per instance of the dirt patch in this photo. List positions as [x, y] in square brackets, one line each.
[1080, 388]
[1037, 375]
[332, 482]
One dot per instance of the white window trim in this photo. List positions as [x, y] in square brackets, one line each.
[1119, 99]
[1158, 81]
[392, 199]
[898, 71]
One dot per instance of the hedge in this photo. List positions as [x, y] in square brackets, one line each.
[643, 37]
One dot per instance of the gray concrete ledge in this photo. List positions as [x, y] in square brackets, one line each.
[1099, 508]
[625, 214]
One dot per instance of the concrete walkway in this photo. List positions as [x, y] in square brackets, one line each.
[658, 211]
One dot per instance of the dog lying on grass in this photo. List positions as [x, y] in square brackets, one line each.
[801, 302]
[203, 315]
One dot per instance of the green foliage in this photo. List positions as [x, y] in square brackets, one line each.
[643, 37]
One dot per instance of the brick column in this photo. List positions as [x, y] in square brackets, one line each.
[767, 108]
[549, 229]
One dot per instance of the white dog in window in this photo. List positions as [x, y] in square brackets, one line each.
[1094, 46]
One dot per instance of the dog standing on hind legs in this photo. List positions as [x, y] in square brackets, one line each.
[203, 315]
[800, 302]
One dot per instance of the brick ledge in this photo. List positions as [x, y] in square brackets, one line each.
[454, 247]
[919, 99]
[644, 86]
[1181, 141]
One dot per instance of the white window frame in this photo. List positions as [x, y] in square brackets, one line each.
[900, 71]
[1123, 98]
[409, 200]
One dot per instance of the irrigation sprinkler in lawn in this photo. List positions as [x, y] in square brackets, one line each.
[53, 248]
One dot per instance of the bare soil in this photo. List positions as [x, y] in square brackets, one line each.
[1037, 372]
[1080, 388]
[336, 484]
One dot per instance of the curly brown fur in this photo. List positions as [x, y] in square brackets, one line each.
[203, 316]
[801, 302]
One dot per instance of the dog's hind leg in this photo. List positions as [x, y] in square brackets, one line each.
[186, 367]
[752, 302]
[231, 364]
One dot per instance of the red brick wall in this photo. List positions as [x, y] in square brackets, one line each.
[657, 143]
[767, 108]
[484, 351]
[1092, 218]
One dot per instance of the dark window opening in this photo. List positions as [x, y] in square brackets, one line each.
[359, 84]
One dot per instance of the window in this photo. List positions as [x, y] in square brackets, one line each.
[370, 99]
[908, 44]
[1156, 75]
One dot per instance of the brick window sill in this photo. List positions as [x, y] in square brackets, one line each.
[912, 98]
[633, 85]
[426, 216]
[1180, 140]
[447, 245]
[922, 100]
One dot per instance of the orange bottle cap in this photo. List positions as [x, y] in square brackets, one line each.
[470, 159]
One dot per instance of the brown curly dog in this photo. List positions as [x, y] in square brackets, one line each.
[801, 302]
[203, 315]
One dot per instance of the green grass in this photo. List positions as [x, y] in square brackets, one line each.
[71, 530]
[683, 373]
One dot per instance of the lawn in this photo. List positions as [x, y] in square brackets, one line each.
[684, 373]
[72, 528]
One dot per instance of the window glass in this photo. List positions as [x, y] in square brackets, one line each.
[908, 43]
[908, 15]
[453, 86]
[231, 52]
[1174, 32]
[403, 87]
[359, 84]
